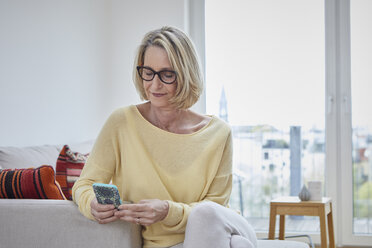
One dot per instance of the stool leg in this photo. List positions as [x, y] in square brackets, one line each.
[323, 229]
[331, 234]
[282, 227]
[272, 222]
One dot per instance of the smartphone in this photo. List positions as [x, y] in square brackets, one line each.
[107, 194]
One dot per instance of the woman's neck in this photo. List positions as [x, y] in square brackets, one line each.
[166, 118]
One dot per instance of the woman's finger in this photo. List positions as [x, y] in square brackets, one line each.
[104, 215]
[133, 207]
[131, 219]
[134, 217]
[145, 221]
[107, 220]
[100, 207]
[138, 221]
[146, 212]
[129, 215]
[104, 207]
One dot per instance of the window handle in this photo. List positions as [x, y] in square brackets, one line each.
[346, 102]
[330, 104]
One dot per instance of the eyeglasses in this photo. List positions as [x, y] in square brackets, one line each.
[148, 74]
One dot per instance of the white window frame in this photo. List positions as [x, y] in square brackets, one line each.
[339, 181]
[339, 177]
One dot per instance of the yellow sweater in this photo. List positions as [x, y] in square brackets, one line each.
[146, 162]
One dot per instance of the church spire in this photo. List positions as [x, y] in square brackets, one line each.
[223, 106]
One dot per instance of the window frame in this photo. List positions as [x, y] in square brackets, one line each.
[339, 164]
[338, 126]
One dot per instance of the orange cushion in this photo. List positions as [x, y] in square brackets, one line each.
[32, 183]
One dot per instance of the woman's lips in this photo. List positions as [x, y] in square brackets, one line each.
[158, 94]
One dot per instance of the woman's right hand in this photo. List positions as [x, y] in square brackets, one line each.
[103, 213]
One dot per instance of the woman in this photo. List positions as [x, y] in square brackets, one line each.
[172, 163]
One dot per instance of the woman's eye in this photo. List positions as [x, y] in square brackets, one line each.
[147, 73]
[169, 74]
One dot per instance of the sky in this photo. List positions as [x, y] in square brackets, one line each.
[272, 63]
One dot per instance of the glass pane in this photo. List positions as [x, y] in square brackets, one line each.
[361, 85]
[265, 76]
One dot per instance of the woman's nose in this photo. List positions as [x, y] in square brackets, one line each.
[156, 82]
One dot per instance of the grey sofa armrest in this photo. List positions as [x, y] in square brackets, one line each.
[57, 223]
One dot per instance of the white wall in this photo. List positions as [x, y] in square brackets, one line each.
[66, 65]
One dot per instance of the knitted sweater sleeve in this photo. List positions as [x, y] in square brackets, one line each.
[100, 165]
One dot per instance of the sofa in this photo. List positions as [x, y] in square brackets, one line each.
[39, 223]
[54, 223]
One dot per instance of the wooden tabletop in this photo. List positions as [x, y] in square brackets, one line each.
[288, 200]
[292, 205]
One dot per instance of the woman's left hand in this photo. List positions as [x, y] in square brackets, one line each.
[145, 212]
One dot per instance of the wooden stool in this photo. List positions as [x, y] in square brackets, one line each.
[294, 206]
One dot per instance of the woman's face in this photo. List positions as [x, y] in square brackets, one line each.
[157, 92]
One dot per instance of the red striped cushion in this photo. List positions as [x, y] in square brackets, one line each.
[32, 183]
[68, 169]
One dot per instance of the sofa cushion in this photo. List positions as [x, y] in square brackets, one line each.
[32, 183]
[68, 169]
[35, 156]
[59, 224]
[25, 157]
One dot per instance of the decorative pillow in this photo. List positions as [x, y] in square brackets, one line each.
[32, 183]
[68, 169]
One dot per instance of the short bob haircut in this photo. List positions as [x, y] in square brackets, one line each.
[183, 59]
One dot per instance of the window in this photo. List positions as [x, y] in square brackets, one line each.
[361, 82]
[292, 78]
[265, 76]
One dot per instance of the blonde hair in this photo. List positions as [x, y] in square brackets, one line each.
[183, 59]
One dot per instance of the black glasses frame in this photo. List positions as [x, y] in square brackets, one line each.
[139, 68]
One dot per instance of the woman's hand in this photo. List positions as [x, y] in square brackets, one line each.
[146, 212]
[103, 213]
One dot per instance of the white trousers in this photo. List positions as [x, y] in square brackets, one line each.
[211, 225]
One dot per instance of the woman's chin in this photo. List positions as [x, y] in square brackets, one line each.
[160, 104]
